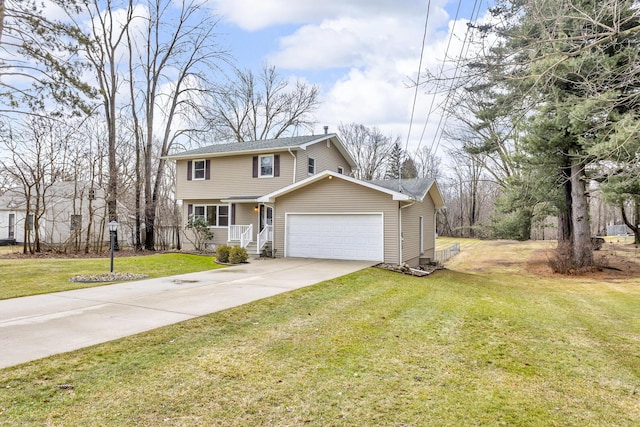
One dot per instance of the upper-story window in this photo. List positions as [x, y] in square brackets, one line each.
[340, 170]
[312, 165]
[266, 166]
[199, 169]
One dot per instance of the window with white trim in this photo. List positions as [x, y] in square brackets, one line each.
[312, 166]
[199, 169]
[265, 166]
[216, 215]
[340, 170]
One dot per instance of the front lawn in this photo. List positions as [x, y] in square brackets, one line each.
[461, 347]
[32, 276]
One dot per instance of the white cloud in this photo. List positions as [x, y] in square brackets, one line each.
[257, 14]
[347, 42]
[380, 54]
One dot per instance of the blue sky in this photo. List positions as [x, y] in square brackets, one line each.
[362, 53]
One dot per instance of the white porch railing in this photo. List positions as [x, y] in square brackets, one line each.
[241, 233]
[266, 235]
[237, 231]
[247, 237]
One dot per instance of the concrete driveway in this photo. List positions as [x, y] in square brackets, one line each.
[43, 325]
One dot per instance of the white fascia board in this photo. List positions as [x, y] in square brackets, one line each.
[436, 195]
[231, 153]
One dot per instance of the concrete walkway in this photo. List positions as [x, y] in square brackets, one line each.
[43, 325]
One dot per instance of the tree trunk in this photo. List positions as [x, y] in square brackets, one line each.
[112, 189]
[582, 248]
[2, 13]
[565, 229]
[138, 243]
[628, 223]
[636, 228]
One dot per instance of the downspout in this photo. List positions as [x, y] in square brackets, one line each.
[400, 238]
[295, 165]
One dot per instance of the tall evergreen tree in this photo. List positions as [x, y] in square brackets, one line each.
[575, 62]
[394, 165]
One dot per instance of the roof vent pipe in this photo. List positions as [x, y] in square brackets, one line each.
[326, 130]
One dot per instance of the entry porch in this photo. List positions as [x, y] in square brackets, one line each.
[251, 225]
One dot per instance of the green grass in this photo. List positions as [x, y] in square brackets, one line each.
[32, 276]
[371, 348]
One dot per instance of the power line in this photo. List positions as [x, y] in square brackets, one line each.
[440, 72]
[415, 95]
[444, 117]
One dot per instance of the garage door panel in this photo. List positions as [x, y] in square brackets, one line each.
[335, 236]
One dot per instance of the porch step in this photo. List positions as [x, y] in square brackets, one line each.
[252, 248]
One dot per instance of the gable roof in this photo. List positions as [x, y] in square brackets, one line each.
[417, 188]
[264, 146]
[270, 198]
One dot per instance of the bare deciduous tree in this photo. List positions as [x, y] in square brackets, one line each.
[177, 55]
[109, 26]
[427, 164]
[369, 147]
[37, 161]
[266, 106]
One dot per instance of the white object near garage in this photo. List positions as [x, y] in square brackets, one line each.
[335, 236]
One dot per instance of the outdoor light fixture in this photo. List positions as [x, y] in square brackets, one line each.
[113, 227]
[256, 208]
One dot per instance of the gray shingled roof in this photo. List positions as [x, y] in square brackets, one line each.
[416, 187]
[267, 144]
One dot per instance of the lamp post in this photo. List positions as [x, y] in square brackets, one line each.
[113, 226]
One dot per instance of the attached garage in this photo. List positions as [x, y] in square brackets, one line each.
[335, 236]
[333, 216]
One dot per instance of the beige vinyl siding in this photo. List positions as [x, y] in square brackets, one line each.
[411, 231]
[246, 214]
[338, 196]
[327, 158]
[220, 234]
[232, 176]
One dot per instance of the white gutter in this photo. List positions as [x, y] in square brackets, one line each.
[295, 164]
[400, 238]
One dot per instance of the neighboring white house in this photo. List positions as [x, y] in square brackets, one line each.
[69, 209]
[12, 217]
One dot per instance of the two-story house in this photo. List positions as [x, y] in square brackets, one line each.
[296, 198]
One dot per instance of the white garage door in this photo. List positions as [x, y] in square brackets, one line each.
[335, 236]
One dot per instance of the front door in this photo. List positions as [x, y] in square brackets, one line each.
[266, 216]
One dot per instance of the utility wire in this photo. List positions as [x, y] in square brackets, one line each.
[445, 116]
[415, 95]
[440, 72]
